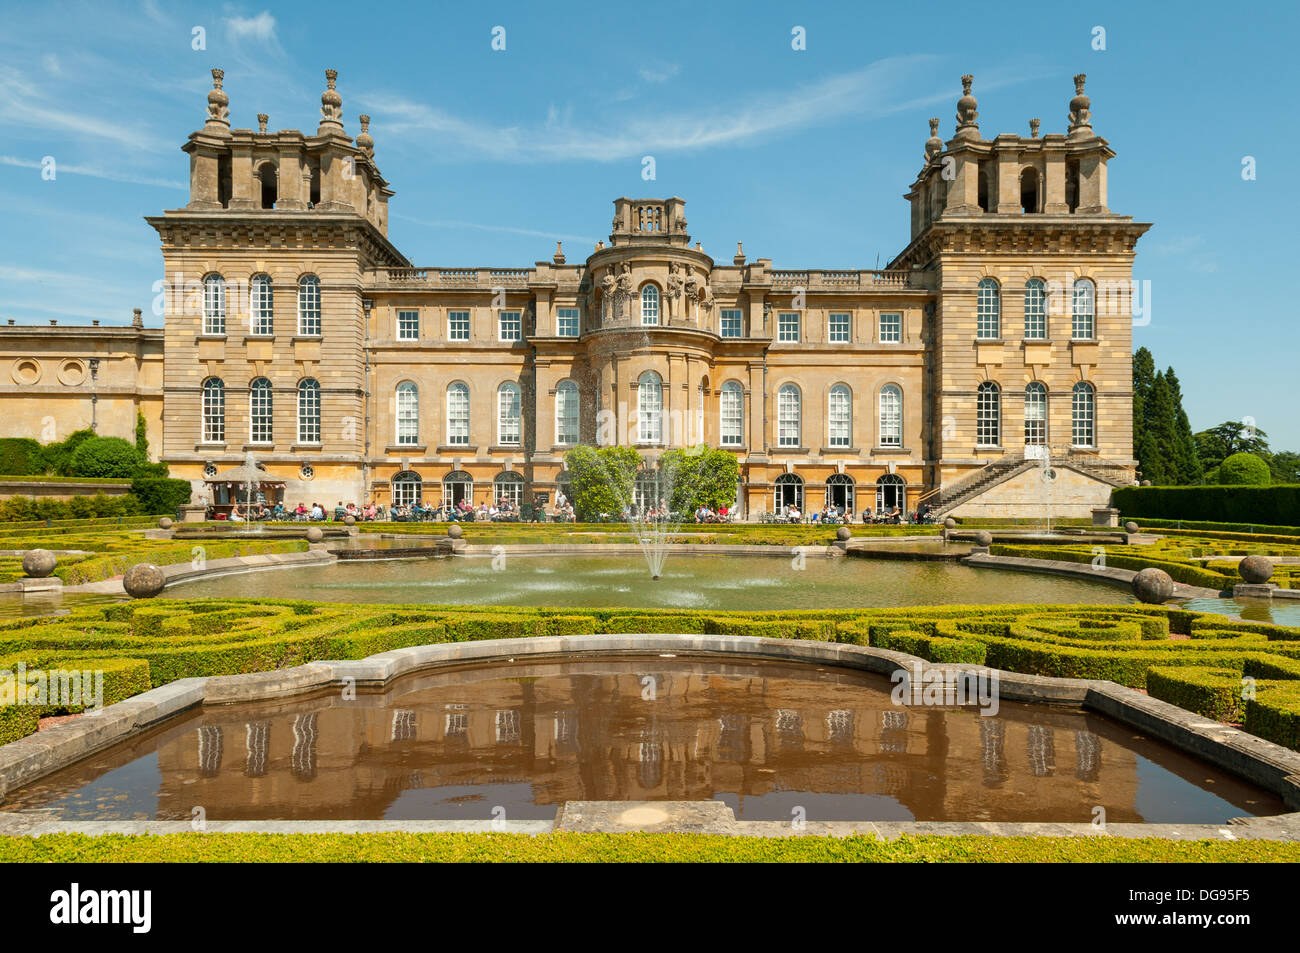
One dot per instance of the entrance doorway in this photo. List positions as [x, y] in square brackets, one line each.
[789, 492]
[456, 486]
[839, 492]
[891, 491]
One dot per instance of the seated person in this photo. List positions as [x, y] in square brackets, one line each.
[317, 512]
[866, 514]
[278, 513]
[340, 511]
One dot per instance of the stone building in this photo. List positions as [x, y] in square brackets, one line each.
[986, 370]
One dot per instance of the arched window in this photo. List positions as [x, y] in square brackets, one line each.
[1082, 414]
[214, 410]
[458, 415]
[731, 415]
[261, 308]
[309, 306]
[407, 488]
[457, 486]
[1035, 414]
[309, 411]
[789, 492]
[566, 413]
[988, 415]
[988, 317]
[408, 414]
[840, 417]
[509, 415]
[1035, 310]
[789, 407]
[839, 492]
[649, 305]
[1083, 319]
[650, 408]
[891, 416]
[508, 486]
[891, 492]
[260, 411]
[214, 305]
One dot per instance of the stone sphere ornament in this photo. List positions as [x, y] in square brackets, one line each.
[454, 531]
[165, 523]
[315, 534]
[843, 533]
[143, 581]
[349, 520]
[1130, 527]
[983, 538]
[1153, 586]
[39, 563]
[950, 523]
[1255, 569]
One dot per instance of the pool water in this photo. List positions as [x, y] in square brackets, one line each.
[517, 740]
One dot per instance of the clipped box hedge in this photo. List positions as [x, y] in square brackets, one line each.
[1277, 505]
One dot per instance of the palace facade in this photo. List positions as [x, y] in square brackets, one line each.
[993, 353]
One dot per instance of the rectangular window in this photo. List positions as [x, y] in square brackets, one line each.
[787, 326]
[839, 327]
[260, 307]
[1035, 311]
[730, 323]
[511, 326]
[408, 325]
[458, 416]
[891, 327]
[566, 322]
[457, 325]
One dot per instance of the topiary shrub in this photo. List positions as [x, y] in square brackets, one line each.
[1244, 469]
[160, 496]
[20, 456]
[106, 457]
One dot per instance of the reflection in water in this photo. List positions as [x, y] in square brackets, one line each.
[764, 737]
[1273, 611]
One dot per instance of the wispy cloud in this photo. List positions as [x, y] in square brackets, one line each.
[661, 75]
[881, 89]
[97, 172]
[26, 105]
[260, 27]
[508, 229]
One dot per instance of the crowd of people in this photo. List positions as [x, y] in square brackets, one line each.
[260, 511]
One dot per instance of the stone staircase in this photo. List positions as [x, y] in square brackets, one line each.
[955, 494]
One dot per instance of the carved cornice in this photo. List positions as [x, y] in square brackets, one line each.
[182, 230]
[1023, 235]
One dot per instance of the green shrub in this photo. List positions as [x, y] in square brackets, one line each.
[106, 457]
[1213, 692]
[1244, 469]
[1277, 504]
[1274, 713]
[20, 456]
[160, 496]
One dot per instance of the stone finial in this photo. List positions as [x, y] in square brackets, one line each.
[262, 120]
[218, 101]
[559, 253]
[137, 318]
[1033, 127]
[331, 105]
[739, 258]
[1080, 110]
[365, 142]
[967, 111]
[933, 145]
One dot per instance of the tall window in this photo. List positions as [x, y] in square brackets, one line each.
[649, 305]
[458, 415]
[841, 416]
[566, 322]
[259, 411]
[408, 414]
[566, 413]
[1083, 410]
[408, 325]
[1035, 414]
[309, 306]
[1035, 310]
[510, 326]
[457, 325]
[509, 486]
[731, 411]
[509, 415]
[988, 315]
[787, 326]
[788, 414]
[891, 416]
[650, 408]
[309, 411]
[838, 327]
[988, 415]
[1083, 321]
[261, 312]
[214, 410]
[730, 323]
[214, 305]
[891, 327]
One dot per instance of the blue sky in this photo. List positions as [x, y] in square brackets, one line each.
[802, 155]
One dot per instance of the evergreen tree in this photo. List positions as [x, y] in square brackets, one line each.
[1144, 451]
[1161, 415]
[1187, 460]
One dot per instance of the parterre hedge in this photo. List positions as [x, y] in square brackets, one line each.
[1277, 505]
[179, 638]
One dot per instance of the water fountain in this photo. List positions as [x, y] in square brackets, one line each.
[1048, 476]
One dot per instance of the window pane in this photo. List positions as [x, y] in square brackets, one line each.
[511, 326]
[839, 327]
[891, 417]
[214, 305]
[988, 416]
[1035, 310]
[1082, 415]
[566, 413]
[650, 405]
[788, 414]
[408, 415]
[408, 325]
[309, 305]
[1035, 414]
[730, 323]
[566, 322]
[732, 412]
[458, 415]
[309, 412]
[788, 326]
[988, 322]
[508, 415]
[458, 325]
[649, 305]
[1081, 324]
[259, 411]
[260, 314]
[891, 327]
[214, 412]
[841, 417]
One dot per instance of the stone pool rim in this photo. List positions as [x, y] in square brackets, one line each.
[1267, 765]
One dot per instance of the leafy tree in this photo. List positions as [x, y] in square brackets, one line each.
[1244, 469]
[1285, 466]
[20, 456]
[1216, 444]
[106, 457]
[601, 480]
[700, 476]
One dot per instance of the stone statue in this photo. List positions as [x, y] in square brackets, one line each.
[607, 288]
[674, 281]
[692, 284]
